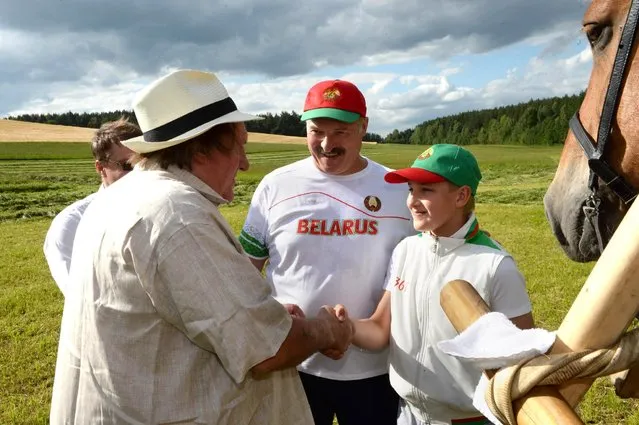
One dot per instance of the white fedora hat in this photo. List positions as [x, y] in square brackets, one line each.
[179, 107]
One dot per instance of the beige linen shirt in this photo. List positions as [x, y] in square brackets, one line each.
[168, 315]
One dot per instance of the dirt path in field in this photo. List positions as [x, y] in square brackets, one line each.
[20, 131]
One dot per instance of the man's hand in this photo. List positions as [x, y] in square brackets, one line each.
[307, 336]
[342, 329]
[294, 310]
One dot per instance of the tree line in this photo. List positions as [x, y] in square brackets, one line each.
[75, 119]
[284, 123]
[536, 122]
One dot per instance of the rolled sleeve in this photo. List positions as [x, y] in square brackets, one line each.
[254, 234]
[210, 291]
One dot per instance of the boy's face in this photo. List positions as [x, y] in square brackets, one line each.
[437, 207]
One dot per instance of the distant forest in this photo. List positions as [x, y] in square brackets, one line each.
[536, 122]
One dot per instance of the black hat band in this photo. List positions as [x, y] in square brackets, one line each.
[190, 121]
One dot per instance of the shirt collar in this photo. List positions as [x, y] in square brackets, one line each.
[468, 230]
[447, 244]
[189, 179]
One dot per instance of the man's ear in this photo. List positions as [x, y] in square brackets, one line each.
[198, 159]
[99, 168]
[364, 127]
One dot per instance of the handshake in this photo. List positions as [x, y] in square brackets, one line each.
[331, 328]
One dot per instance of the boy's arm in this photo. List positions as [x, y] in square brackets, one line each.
[509, 294]
[525, 321]
[372, 333]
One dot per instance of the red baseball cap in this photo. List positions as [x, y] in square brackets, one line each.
[418, 175]
[439, 163]
[336, 99]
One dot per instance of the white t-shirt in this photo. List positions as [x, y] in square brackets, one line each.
[328, 240]
[58, 244]
[438, 387]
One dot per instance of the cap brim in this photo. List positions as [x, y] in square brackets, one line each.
[418, 175]
[139, 145]
[336, 114]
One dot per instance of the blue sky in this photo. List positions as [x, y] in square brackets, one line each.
[413, 59]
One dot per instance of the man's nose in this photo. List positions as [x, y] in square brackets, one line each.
[244, 163]
[327, 144]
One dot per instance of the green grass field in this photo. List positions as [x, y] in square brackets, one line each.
[37, 180]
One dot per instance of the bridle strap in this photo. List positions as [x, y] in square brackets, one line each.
[595, 151]
[613, 94]
[599, 167]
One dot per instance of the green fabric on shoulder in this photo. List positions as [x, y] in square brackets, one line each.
[481, 238]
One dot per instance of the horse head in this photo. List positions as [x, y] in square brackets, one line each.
[574, 194]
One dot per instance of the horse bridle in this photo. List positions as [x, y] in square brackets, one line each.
[599, 168]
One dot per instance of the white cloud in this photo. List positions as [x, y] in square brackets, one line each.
[87, 55]
[421, 97]
[450, 71]
[583, 58]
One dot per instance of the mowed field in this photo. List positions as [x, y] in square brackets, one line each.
[20, 131]
[37, 180]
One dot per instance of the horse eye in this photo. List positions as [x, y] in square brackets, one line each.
[598, 35]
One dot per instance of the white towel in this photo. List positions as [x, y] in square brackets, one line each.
[493, 342]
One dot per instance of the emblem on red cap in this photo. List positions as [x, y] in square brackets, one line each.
[372, 203]
[331, 94]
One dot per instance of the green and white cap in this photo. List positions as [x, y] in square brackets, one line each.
[440, 163]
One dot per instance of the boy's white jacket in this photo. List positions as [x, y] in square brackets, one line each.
[436, 386]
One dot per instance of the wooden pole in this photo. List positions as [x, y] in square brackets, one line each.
[607, 303]
[542, 405]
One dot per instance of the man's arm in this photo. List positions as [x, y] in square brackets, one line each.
[258, 263]
[206, 288]
[58, 243]
[306, 337]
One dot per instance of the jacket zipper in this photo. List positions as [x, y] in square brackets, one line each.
[425, 320]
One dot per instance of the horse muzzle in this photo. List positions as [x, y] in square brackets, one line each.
[576, 224]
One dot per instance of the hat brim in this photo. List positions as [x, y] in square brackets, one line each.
[418, 175]
[139, 145]
[333, 113]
